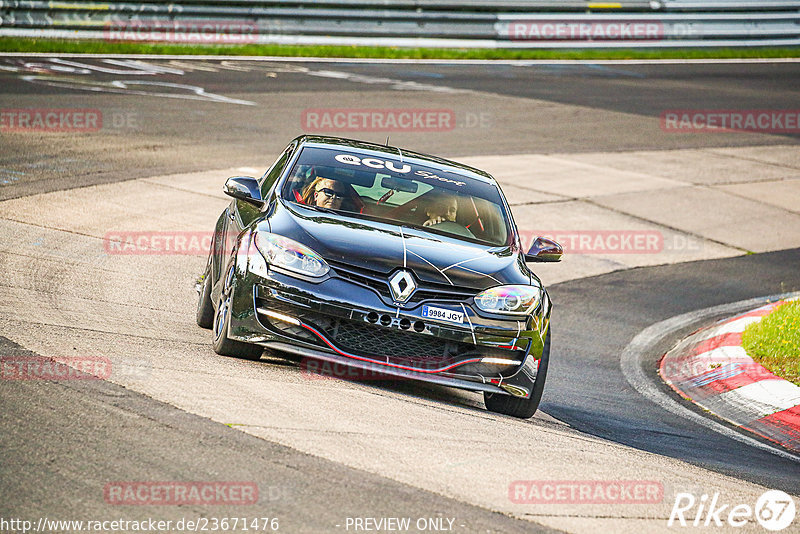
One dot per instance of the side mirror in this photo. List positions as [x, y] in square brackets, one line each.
[544, 250]
[244, 188]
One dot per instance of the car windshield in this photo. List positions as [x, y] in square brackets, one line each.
[390, 190]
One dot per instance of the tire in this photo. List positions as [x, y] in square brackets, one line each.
[205, 310]
[222, 344]
[516, 406]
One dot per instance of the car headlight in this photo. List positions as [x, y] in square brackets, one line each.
[513, 300]
[287, 254]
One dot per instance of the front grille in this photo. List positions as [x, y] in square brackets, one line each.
[400, 347]
[378, 281]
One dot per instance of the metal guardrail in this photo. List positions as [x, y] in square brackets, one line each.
[470, 5]
[502, 23]
[728, 5]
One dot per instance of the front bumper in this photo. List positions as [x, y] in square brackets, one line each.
[345, 323]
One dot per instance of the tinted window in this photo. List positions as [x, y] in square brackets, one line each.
[404, 192]
[275, 171]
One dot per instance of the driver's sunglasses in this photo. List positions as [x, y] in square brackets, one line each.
[330, 193]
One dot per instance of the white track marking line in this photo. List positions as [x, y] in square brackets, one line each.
[390, 61]
[401, 85]
[121, 87]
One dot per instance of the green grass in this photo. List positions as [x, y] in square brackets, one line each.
[13, 44]
[774, 342]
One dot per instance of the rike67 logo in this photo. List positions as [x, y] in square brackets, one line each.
[774, 510]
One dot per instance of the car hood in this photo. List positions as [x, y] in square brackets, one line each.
[382, 247]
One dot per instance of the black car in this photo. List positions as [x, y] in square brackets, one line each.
[384, 260]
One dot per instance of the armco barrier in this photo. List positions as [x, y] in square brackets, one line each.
[505, 23]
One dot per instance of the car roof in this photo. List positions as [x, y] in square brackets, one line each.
[372, 149]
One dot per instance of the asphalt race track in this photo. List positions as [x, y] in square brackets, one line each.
[323, 451]
[557, 108]
[607, 311]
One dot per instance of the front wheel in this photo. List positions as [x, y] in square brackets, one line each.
[225, 346]
[517, 406]
[205, 310]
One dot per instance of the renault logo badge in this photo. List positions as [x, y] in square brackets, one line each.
[402, 285]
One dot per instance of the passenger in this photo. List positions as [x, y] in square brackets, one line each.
[442, 207]
[325, 193]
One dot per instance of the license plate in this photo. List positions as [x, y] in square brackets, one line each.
[442, 314]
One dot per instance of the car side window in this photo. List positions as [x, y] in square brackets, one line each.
[274, 172]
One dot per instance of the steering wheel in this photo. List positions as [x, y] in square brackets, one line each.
[452, 228]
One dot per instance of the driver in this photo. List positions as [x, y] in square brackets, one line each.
[325, 193]
[442, 207]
